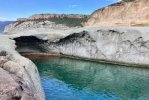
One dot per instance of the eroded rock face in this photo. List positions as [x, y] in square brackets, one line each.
[134, 13]
[12, 84]
[128, 45]
[14, 88]
[124, 45]
[19, 76]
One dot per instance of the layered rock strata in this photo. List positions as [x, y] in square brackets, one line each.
[49, 16]
[135, 13]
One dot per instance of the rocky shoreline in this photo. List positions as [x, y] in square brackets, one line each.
[35, 56]
[38, 37]
[126, 46]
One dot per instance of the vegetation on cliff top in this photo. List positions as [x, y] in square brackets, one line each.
[71, 22]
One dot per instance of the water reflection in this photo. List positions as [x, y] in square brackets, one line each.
[68, 79]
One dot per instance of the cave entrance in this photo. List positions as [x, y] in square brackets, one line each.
[30, 44]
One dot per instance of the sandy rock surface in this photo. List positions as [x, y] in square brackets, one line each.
[134, 13]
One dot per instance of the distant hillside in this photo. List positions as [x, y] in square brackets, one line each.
[3, 24]
[70, 20]
[47, 21]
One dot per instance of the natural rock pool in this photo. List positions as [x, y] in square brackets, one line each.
[69, 79]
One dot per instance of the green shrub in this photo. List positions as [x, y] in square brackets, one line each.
[71, 22]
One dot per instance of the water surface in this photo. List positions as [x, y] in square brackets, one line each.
[69, 79]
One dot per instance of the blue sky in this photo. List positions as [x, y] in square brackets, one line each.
[12, 9]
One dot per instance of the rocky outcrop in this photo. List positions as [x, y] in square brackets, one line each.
[123, 45]
[19, 76]
[135, 13]
[49, 16]
[13, 87]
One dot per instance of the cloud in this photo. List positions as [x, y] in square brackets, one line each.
[73, 6]
[5, 19]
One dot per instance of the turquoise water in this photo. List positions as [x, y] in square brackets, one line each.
[68, 79]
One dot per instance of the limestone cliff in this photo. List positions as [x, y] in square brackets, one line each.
[135, 13]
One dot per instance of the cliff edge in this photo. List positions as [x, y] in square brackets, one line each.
[135, 13]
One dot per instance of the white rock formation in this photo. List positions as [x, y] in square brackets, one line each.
[128, 45]
[20, 67]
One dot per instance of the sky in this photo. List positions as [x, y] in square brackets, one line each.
[13, 9]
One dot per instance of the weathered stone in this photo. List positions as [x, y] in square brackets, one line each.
[13, 88]
[13, 67]
[3, 60]
[18, 75]
[121, 44]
